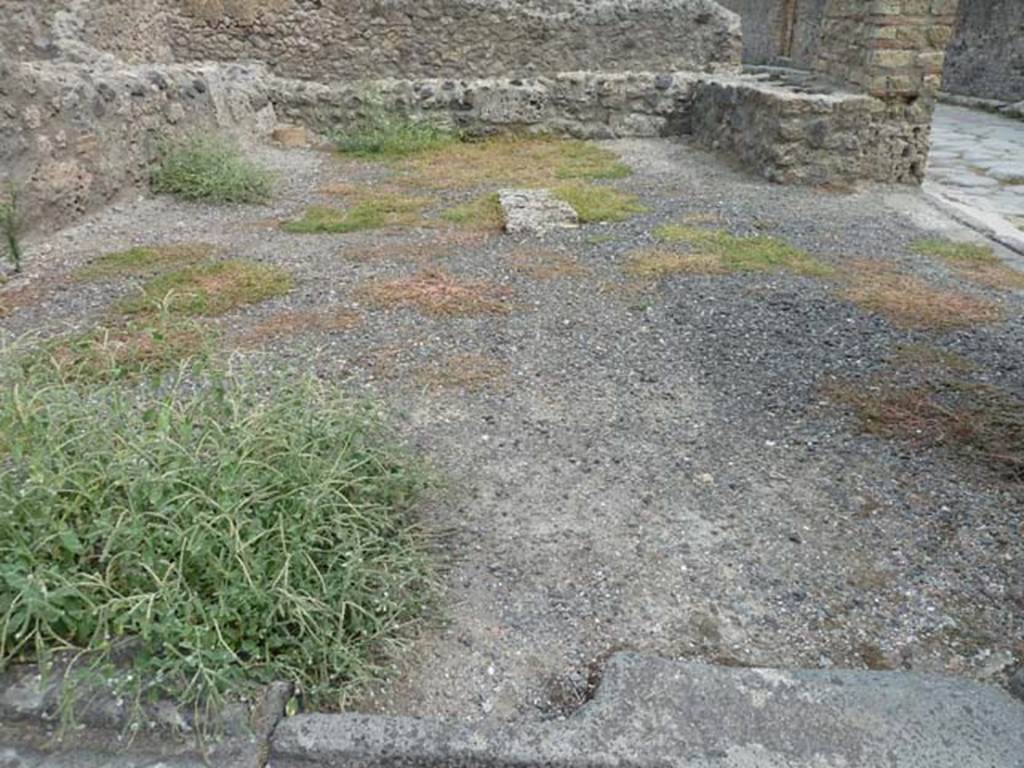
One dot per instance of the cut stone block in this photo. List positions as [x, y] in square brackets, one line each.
[535, 211]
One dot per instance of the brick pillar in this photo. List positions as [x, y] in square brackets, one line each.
[890, 48]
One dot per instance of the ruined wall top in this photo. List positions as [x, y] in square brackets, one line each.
[355, 39]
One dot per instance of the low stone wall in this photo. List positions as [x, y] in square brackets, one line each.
[591, 105]
[75, 138]
[792, 135]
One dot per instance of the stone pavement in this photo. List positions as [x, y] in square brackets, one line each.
[979, 156]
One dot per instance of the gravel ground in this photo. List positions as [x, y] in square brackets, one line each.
[654, 470]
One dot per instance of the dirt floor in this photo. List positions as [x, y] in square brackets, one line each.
[669, 465]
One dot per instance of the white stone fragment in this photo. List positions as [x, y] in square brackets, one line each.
[535, 211]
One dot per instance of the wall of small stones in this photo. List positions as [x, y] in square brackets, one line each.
[795, 137]
[75, 138]
[330, 40]
[986, 57]
[590, 105]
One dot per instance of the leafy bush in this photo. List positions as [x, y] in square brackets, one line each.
[239, 530]
[11, 224]
[381, 135]
[211, 170]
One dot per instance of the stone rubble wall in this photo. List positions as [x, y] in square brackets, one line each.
[590, 105]
[76, 138]
[333, 40]
[793, 137]
[986, 58]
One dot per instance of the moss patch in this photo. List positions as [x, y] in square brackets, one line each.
[715, 252]
[144, 261]
[519, 161]
[482, 214]
[371, 212]
[976, 263]
[595, 203]
[468, 373]
[211, 289]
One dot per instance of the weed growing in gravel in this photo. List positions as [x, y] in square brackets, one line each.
[976, 263]
[382, 135]
[210, 289]
[713, 251]
[11, 225]
[235, 530]
[210, 170]
[130, 352]
[482, 214]
[372, 212]
[594, 203]
[909, 302]
[144, 261]
[437, 292]
[977, 421]
[503, 161]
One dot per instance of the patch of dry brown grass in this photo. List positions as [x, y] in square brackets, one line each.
[508, 160]
[466, 372]
[16, 297]
[546, 264]
[910, 302]
[299, 321]
[977, 421]
[658, 263]
[925, 357]
[437, 292]
[975, 263]
[439, 245]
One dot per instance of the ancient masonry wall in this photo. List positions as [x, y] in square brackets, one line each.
[90, 88]
[986, 58]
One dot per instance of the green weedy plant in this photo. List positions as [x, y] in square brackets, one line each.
[381, 134]
[237, 529]
[11, 223]
[210, 170]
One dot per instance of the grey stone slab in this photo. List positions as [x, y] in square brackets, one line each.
[535, 211]
[653, 712]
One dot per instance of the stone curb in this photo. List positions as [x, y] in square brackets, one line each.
[652, 712]
[991, 225]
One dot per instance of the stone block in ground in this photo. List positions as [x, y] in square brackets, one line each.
[654, 712]
[535, 212]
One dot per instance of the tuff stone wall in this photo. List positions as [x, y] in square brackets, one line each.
[890, 48]
[986, 57]
[793, 134]
[332, 40]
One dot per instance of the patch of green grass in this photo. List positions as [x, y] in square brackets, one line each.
[132, 351]
[372, 212]
[947, 250]
[210, 170]
[716, 251]
[382, 135]
[230, 529]
[210, 289]
[511, 161]
[976, 263]
[481, 213]
[144, 261]
[594, 203]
